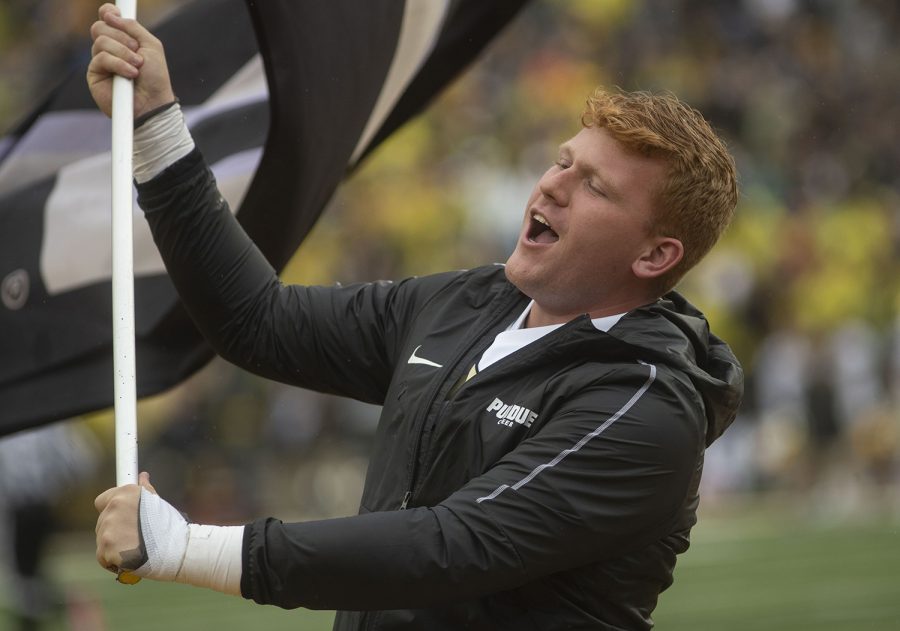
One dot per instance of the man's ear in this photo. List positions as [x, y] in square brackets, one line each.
[661, 255]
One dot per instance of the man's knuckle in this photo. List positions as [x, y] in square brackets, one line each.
[104, 541]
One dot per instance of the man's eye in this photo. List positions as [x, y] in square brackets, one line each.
[563, 164]
[595, 189]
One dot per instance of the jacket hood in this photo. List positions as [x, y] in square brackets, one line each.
[674, 332]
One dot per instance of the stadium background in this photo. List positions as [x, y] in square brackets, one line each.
[800, 512]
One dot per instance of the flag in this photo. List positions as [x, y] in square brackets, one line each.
[283, 98]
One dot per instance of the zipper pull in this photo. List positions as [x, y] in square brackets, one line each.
[405, 501]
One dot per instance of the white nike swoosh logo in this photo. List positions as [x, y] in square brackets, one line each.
[415, 359]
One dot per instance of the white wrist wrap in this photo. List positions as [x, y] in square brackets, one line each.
[165, 535]
[205, 556]
[213, 558]
[159, 143]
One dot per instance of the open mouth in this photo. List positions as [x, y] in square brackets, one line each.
[539, 230]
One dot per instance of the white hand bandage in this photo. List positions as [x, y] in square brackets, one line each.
[213, 558]
[159, 143]
[164, 533]
[205, 556]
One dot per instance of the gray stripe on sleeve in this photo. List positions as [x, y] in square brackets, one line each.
[581, 443]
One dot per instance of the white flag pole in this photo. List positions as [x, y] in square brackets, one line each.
[125, 380]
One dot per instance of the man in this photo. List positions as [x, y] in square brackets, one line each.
[538, 457]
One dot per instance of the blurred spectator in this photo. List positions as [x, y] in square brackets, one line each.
[37, 469]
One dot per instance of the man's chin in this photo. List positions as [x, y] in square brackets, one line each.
[510, 274]
[512, 264]
[516, 273]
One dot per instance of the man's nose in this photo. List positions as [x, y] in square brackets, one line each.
[555, 185]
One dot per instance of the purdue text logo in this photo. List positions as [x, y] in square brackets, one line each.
[510, 414]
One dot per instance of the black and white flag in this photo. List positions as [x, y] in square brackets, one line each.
[283, 98]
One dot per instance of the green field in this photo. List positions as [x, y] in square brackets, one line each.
[752, 574]
[748, 571]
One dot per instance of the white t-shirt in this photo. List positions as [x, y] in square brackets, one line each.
[515, 337]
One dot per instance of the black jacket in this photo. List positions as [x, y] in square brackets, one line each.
[551, 491]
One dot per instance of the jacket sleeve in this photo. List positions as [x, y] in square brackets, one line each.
[610, 474]
[333, 339]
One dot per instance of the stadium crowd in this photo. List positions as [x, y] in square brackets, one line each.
[805, 285]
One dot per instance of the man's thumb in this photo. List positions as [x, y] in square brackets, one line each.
[144, 481]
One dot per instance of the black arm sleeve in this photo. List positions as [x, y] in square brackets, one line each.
[332, 339]
[575, 493]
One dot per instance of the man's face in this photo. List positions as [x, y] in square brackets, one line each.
[587, 221]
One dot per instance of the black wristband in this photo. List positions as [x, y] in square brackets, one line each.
[143, 118]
